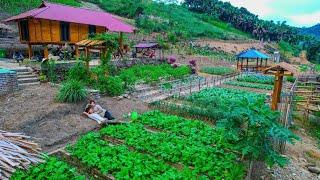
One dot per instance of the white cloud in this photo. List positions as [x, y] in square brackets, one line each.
[306, 19]
[259, 7]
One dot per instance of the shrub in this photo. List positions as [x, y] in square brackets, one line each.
[78, 72]
[111, 85]
[291, 79]
[49, 67]
[72, 91]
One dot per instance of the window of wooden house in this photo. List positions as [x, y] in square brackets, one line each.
[24, 28]
[65, 31]
[92, 30]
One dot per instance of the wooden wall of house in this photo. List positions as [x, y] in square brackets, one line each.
[47, 31]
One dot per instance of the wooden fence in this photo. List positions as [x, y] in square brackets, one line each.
[184, 87]
[285, 107]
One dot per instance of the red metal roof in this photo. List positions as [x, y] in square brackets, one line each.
[76, 15]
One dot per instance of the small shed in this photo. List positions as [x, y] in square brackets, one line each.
[147, 50]
[88, 44]
[254, 60]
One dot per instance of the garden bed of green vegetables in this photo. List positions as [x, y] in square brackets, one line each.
[218, 70]
[254, 81]
[249, 85]
[256, 78]
[179, 149]
[244, 115]
[52, 168]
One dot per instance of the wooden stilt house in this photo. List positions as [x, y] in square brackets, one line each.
[59, 24]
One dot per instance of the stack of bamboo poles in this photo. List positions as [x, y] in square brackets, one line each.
[17, 151]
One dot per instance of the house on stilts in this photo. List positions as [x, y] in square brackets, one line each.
[55, 24]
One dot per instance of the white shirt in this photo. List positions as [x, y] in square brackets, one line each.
[96, 117]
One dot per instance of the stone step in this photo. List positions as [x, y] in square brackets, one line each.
[28, 84]
[19, 70]
[24, 73]
[27, 80]
[24, 76]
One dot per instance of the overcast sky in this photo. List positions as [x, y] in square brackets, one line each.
[296, 12]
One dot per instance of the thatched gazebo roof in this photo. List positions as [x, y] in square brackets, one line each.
[288, 68]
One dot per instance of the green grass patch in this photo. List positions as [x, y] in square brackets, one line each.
[152, 16]
[14, 7]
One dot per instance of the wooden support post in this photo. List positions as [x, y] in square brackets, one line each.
[86, 52]
[241, 65]
[266, 63]
[87, 56]
[247, 64]
[30, 50]
[46, 52]
[237, 63]
[261, 62]
[121, 41]
[257, 67]
[277, 90]
[77, 51]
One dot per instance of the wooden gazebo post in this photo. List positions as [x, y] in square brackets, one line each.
[247, 64]
[279, 71]
[237, 63]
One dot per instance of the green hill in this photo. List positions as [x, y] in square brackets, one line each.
[151, 16]
[13, 7]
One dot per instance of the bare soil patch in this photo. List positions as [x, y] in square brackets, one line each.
[34, 112]
[301, 154]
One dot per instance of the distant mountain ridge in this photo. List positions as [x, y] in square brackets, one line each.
[314, 30]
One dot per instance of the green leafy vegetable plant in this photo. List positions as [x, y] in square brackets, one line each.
[71, 92]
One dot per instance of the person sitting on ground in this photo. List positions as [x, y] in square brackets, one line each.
[95, 116]
[99, 110]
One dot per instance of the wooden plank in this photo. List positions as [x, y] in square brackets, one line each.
[100, 29]
[74, 34]
[55, 30]
[32, 31]
[83, 31]
[38, 37]
[45, 30]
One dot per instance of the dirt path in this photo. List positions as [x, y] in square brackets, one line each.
[232, 46]
[301, 154]
[34, 111]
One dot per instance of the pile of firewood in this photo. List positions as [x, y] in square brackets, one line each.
[17, 152]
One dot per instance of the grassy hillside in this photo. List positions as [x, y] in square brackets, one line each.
[150, 17]
[14, 7]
